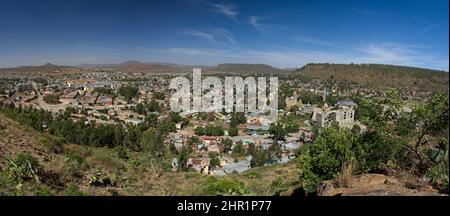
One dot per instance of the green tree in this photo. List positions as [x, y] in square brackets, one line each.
[324, 158]
[277, 132]
[175, 117]
[275, 151]
[152, 142]
[213, 160]
[224, 187]
[128, 92]
[238, 149]
[233, 131]
[140, 109]
[259, 157]
[183, 158]
[199, 131]
[251, 149]
[237, 118]
[152, 120]
[24, 167]
[227, 144]
[278, 186]
[292, 128]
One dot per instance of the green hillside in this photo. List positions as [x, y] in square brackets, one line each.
[377, 75]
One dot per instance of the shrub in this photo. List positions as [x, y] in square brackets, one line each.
[122, 153]
[278, 186]
[233, 131]
[73, 190]
[324, 159]
[224, 187]
[74, 165]
[54, 145]
[253, 174]
[439, 176]
[43, 190]
[24, 167]
[99, 180]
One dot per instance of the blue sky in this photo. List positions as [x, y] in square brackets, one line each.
[280, 33]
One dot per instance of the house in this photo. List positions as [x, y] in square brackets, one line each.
[199, 164]
[134, 121]
[257, 129]
[70, 95]
[238, 167]
[290, 146]
[105, 100]
[177, 141]
[116, 85]
[344, 116]
[225, 160]
[210, 140]
[99, 115]
[346, 103]
[215, 148]
[307, 109]
[244, 139]
[291, 102]
[266, 143]
[88, 99]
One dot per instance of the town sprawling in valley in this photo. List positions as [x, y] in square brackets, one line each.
[109, 129]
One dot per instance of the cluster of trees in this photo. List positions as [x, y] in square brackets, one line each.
[107, 91]
[237, 118]
[52, 99]
[158, 95]
[128, 92]
[415, 142]
[233, 131]
[29, 116]
[147, 107]
[310, 97]
[209, 130]
[277, 132]
[378, 75]
[40, 80]
[137, 138]
[259, 155]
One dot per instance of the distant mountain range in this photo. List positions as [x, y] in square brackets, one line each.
[137, 63]
[376, 75]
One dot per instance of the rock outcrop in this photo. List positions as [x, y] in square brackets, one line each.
[373, 185]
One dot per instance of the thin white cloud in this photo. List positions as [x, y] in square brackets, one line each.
[255, 21]
[216, 36]
[379, 53]
[227, 9]
[400, 54]
[429, 28]
[199, 34]
[225, 34]
[313, 41]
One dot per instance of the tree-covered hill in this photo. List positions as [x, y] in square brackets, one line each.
[378, 75]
